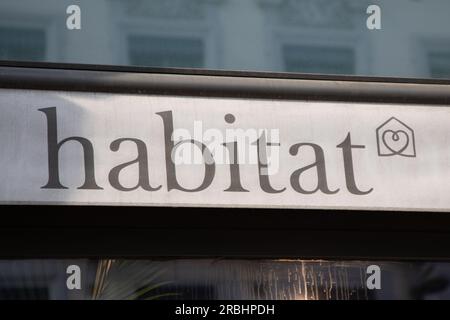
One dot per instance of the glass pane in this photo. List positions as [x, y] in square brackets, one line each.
[185, 279]
[404, 38]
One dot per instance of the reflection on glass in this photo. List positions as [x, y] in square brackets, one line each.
[304, 36]
[184, 279]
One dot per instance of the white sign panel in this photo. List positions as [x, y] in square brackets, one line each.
[119, 149]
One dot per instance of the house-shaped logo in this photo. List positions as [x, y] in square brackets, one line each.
[395, 138]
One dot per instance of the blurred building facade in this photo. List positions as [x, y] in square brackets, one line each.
[307, 36]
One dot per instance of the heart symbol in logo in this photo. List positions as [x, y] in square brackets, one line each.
[395, 141]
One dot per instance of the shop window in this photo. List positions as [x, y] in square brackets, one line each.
[22, 43]
[165, 51]
[317, 59]
[200, 279]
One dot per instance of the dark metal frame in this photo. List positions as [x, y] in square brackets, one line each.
[145, 232]
[192, 82]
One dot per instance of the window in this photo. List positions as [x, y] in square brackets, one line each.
[165, 51]
[317, 59]
[439, 64]
[22, 44]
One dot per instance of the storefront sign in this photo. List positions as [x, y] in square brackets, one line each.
[118, 149]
